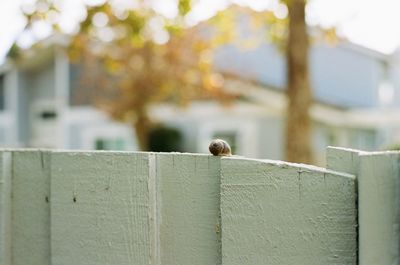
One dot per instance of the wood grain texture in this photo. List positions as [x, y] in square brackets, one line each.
[280, 213]
[5, 207]
[171, 209]
[31, 208]
[343, 159]
[379, 208]
[378, 175]
[100, 208]
[189, 209]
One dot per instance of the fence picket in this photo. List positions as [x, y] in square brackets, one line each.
[62, 207]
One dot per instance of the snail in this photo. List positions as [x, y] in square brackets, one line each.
[219, 147]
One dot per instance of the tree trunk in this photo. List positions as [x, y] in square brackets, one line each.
[298, 125]
[142, 128]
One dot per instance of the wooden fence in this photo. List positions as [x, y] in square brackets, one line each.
[106, 208]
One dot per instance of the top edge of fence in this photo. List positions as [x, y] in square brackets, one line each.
[73, 152]
[25, 150]
[351, 150]
[298, 166]
[365, 153]
[380, 153]
[80, 151]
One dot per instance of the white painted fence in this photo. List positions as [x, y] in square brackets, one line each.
[122, 208]
[378, 175]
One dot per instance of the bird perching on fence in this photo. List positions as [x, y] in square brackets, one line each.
[219, 147]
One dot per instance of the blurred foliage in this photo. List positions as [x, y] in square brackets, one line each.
[148, 58]
[14, 52]
[184, 7]
[262, 25]
[393, 147]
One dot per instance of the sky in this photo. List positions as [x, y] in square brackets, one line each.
[370, 23]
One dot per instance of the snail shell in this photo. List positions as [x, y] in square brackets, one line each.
[219, 147]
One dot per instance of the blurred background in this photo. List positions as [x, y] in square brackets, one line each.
[276, 79]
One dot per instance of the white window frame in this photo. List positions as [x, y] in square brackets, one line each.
[91, 134]
[36, 124]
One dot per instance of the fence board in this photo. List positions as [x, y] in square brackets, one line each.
[378, 184]
[146, 208]
[189, 209]
[5, 207]
[100, 208]
[378, 201]
[30, 208]
[279, 213]
[342, 159]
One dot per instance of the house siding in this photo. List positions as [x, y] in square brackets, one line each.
[339, 75]
[23, 109]
[271, 138]
[41, 83]
[394, 75]
[345, 78]
[264, 64]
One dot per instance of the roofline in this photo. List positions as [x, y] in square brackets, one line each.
[277, 89]
[346, 44]
[33, 53]
[276, 101]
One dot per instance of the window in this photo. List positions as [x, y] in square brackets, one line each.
[2, 92]
[107, 136]
[165, 139]
[82, 88]
[88, 83]
[110, 144]
[48, 115]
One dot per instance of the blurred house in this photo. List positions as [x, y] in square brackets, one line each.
[357, 103]
[37, 108]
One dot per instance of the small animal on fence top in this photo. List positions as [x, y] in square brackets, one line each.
[219, 147]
